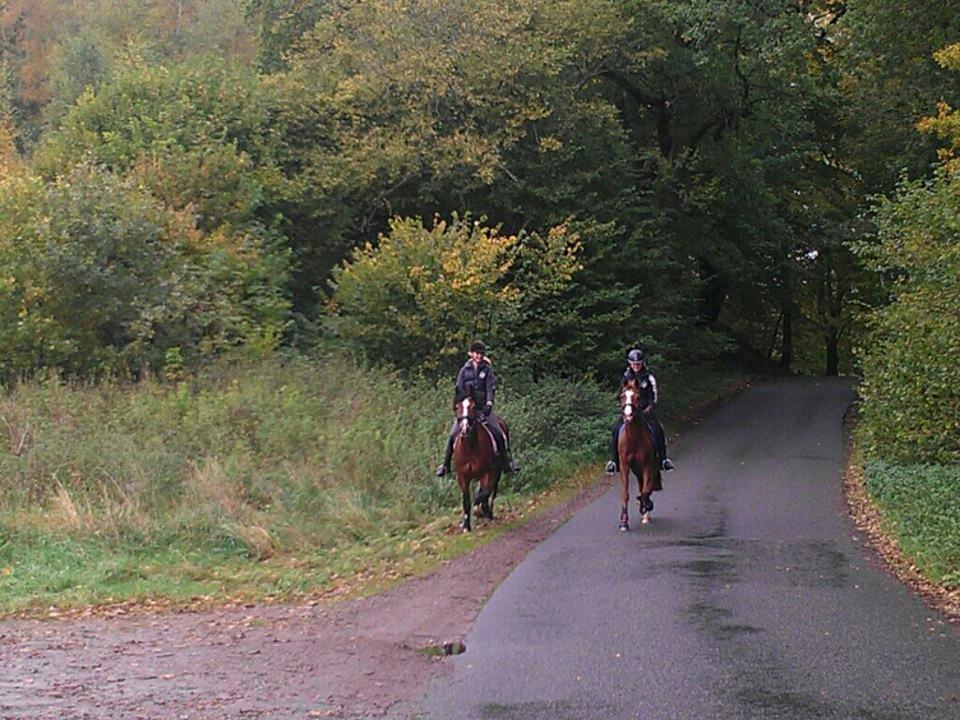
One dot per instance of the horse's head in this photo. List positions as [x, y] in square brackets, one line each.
[629, 397]
[466, 410]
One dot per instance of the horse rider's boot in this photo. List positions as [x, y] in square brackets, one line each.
[666, 464]
[509, 466]
[447, 458]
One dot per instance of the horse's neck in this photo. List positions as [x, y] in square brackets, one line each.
[637, 426]
[472, 438]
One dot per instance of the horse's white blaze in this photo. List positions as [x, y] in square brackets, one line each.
[464, 420]
[628, 405]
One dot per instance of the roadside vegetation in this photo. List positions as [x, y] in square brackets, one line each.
[910, 416]
[282, 478]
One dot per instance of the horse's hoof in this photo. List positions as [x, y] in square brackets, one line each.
[645, 520]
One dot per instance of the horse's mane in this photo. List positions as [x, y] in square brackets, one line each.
[459, 397]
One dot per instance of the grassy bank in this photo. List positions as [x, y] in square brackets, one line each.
[920, 505]
[281, 479]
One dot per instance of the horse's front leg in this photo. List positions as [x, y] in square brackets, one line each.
[624, 494]
[465, 492]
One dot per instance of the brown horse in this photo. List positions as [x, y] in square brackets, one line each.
[637, 452]
[474, 454]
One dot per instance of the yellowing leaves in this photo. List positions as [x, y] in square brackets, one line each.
[425, 292]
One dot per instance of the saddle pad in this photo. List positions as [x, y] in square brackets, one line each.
[493, 439]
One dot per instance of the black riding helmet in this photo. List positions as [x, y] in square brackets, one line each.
[635, 356]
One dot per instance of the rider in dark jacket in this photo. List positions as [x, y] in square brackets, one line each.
[637, 370]
[477, 376]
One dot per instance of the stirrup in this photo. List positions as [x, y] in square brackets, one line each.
[442, 470]
[611, 468]
[667, 465]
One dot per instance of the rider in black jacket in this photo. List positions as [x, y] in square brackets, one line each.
[477, 377]
[637, 370]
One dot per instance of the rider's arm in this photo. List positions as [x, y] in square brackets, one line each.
[491, 388]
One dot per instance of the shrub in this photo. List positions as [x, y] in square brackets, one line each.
[420, 295]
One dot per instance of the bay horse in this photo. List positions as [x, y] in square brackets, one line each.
[475, 457]
[637, 452]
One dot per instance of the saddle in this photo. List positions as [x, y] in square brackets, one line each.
[494, 426]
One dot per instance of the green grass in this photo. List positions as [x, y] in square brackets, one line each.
[282, 479]
[920, 505]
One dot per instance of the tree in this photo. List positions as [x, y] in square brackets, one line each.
[718, 107]
[910, 390]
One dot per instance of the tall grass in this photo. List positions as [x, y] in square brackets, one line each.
[261, 479]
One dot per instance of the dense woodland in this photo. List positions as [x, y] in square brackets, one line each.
[185, 177]
[190, 180]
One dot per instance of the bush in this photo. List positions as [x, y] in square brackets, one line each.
[419, 296]
[911, 387]
[100, 278]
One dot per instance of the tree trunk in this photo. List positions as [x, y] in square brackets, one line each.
[786, 343]
[833, 354]
[712, 293]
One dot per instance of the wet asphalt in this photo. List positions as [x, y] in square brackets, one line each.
[750, 595]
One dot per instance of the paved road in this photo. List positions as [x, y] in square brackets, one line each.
[750, 596]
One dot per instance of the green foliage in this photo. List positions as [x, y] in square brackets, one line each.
[280, 24]
[889, 81]
[911, 378]
[100, 278]
[921, 507]
[155, 110]
[438, 107]
[420, 295]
